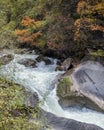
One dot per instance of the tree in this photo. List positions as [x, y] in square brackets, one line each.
[30, 31]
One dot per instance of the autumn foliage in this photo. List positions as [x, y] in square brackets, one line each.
[20, 32]
[30, 38]
[27, 35]
[91, 15]
[27, 21]
[97, 28]
[82, 6]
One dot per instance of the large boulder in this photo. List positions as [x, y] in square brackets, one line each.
[84, 87]
[6, 59]
[28, 62]
[59, 123]
[65, 65]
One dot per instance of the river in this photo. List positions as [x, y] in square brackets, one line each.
[42, 80]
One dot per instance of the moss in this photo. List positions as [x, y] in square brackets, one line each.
[98, 53]
[13, 114]
[64, 87]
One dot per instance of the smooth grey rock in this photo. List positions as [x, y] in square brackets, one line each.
[87, 89]
[28, 62]
[88, 80]
[59, 123]
[45, 59]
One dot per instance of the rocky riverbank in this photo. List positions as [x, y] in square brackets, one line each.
[69, 96]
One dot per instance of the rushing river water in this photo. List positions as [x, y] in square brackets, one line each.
[42, 79]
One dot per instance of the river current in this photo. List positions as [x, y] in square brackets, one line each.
[42, 80]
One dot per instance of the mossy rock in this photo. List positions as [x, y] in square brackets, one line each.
[64, 87]
[6, 59]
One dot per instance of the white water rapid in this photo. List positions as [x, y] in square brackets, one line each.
[41, 80]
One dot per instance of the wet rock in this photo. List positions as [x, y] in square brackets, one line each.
[28, 62]
[6, 59]
[45, 59]
[65, 65]
[60, 68]
[58, 63]
[59, 123]
[32, 99]
[87, 89]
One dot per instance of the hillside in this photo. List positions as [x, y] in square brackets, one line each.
[68, 27]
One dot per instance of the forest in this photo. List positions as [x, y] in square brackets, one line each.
[68, 27]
